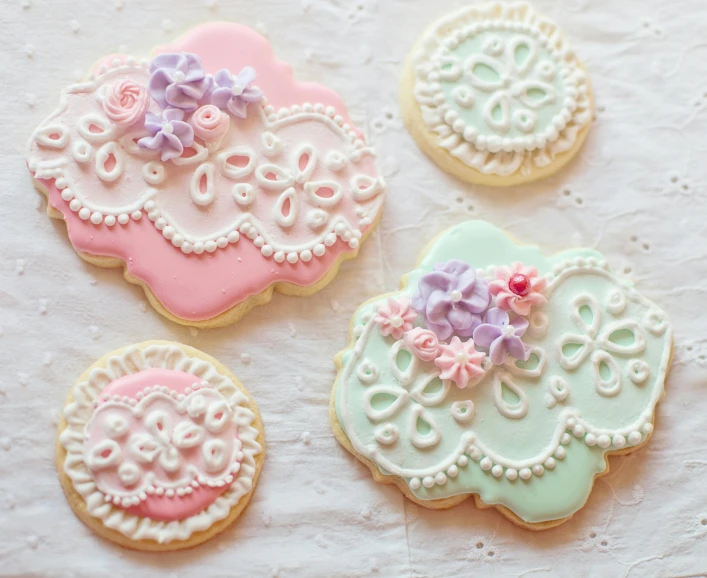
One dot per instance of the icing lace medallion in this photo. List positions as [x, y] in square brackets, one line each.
[501, 88]
[159, 444]
[468, 376]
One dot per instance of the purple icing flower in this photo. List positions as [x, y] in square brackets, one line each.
[178, 80]
[170, 134]
[234, 93]
[452, 299]
[501, 336]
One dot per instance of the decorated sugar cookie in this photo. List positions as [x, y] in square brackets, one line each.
[160, 447]
[494, 95]
[209, 174]
[502, 373]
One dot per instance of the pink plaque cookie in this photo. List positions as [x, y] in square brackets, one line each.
[209, 173]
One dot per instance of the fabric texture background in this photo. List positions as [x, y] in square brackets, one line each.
[636, 192]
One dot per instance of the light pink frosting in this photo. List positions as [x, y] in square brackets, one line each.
[210, 123]
[199, 287]
[459, 361]
[422, 342]
[155, 507]
[507, 300]
[126, 102]
[395, 317]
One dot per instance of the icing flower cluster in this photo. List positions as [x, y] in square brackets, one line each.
[192, 103]
[467, 320]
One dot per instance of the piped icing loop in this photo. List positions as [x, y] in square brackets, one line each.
[141, 192]
[580, 374]
[501, 88]
[159, 444]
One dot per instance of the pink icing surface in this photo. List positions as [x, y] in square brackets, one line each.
[193, 287]
[162, 507]
[199, 287]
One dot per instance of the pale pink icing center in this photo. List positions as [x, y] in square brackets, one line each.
[162, 507]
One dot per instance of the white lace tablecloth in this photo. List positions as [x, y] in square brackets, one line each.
[637, 193]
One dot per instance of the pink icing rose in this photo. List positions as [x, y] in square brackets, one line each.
[210, 123]
[459, 361]
[395, 317]
[422, 342]
[126, 102]
[517, 288]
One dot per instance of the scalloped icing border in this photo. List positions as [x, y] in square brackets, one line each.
[78, 411]
[461, 158]
[645, 427]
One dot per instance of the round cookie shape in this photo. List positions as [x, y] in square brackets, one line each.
[499, 372]
[160, 447]
[494, 94]
[209, 173]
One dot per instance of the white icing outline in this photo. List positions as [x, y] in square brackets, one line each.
[568, 418]
[338, 228]
[434, 62]
[77, 414]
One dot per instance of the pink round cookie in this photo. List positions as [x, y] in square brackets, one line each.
[160, 447]
[209, 173]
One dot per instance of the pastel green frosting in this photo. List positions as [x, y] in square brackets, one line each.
[503, 65]
[560, 491]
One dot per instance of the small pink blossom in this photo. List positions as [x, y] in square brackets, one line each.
[126, 102]
[395, 317]
[517, 288]
[210, 123]
[459, 361]
[422, 342]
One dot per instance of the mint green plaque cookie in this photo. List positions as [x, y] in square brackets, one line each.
[502, 373]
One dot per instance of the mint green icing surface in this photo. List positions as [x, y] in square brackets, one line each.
[568, 431]
[521, 80]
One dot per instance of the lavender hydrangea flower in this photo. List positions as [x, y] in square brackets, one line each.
[452, 299]
[178, 80]
[234, 93]
[501, 336]
[169, 133]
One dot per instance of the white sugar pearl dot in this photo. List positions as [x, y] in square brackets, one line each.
[428, 481]
[560, 453]
[525, 474]
[84, 214]
[136, 215]
[538, 470]
[452, 471]
[123, 219]
[463, 460]
[67, 195]
[415, 483]
[75, 205]
[619, 441]
[110, 220]
[550, 463]
[603, 441]
[485, 464]
[565, 438]
[292, 258]
[578, 430]
[647, 427]
[497, 470]
[441, 479]
[511, 474]
[634, 437]
[590, 440]
[474, 453]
